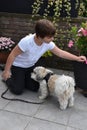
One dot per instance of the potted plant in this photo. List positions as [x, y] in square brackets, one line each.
[6, 45]
[79, 38]
[79, 42]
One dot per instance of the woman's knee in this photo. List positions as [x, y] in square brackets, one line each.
[15, 89]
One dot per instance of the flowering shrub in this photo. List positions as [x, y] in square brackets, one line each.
[79, 38]
[6, 44]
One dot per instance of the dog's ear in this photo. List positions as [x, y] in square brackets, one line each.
[38, 78]
[43, 73]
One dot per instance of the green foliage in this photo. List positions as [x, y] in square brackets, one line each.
[58, 6]
[79, 38]
[85, 8]
[48, 53]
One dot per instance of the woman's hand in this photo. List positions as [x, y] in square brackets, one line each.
[15, 52]
[6, 75]
[81, 59]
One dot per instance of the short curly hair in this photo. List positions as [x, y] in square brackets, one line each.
[44, 28]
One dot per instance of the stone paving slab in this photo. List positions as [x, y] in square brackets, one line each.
[12, 121]
[16, 115]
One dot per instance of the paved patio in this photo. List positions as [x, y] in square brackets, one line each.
[15, 115]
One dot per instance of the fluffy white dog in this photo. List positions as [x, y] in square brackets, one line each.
[61, 86]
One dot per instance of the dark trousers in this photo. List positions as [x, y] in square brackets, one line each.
[21, 79]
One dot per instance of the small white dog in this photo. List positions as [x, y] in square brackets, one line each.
[61, 85]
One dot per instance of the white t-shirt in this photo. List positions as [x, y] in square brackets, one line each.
[31, 51]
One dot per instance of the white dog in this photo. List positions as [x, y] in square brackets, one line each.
[62, 86]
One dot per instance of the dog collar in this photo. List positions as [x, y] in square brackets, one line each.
[48, 76]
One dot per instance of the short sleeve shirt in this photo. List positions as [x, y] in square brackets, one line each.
[31, 51]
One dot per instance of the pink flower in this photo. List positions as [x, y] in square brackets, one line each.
[86, 61]
[6, 44]
[70, 44]
[83, 31]
[80, 30]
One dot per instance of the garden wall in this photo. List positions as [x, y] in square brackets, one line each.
[17, 26]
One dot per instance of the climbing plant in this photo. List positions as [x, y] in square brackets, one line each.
[58, 10]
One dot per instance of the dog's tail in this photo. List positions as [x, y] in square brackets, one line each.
[70, 82]
[65, 84]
